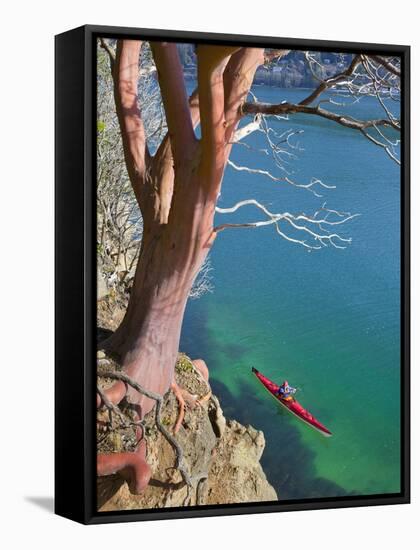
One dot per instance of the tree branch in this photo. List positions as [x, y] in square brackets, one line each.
[194, 108]
[174, 96]
[109, 51]
[317, 228]
[237, 79]
[388, 66]
[162, 169]
[246, 130]
[308, 186]
[324, 85]
[126, 75]
[386, 147]
[212, 61]
[292, 108]
[270, 55]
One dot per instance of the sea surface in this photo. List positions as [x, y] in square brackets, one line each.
[326, 320]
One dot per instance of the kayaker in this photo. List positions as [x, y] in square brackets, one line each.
[286, 392]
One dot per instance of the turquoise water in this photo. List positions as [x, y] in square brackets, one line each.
[328, 321]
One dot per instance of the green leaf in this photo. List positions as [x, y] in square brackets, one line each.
[101, 125]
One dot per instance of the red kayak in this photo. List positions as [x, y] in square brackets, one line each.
[293, 406]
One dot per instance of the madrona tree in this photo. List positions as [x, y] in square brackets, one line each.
[177, 190]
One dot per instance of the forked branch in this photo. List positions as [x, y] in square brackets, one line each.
[293, 108]
[318, 229]
[329, 82]
[311, 186]
[366, 75]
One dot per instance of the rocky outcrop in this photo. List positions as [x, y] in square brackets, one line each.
[236, 474]
[221, 456]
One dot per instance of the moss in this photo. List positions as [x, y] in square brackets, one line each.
[116, 441]
[166, 421]
[184, 363]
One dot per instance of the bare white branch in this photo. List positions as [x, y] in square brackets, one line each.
[365, 76]
[317, 228]
[202, 284]
[309, 186]
[243, 132]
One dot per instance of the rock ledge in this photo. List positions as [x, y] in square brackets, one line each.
[222, 456]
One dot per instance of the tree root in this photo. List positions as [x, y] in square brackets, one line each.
[201, 369]
[114, 409]
[131, 466]
[181, 402]
[204, 398]
[185, 398]
[179, 463]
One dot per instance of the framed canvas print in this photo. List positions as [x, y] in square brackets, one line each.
[232, 274]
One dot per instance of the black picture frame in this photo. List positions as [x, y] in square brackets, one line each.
[75, 275]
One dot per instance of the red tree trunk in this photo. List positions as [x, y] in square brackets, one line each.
[147, 341]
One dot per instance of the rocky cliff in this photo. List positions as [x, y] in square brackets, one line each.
[221, 456]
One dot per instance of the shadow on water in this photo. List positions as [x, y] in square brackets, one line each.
[195, 340]
[288, 462]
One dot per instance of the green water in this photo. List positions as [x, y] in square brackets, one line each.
[328, 321]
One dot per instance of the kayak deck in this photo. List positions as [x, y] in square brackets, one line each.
[292, 406]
